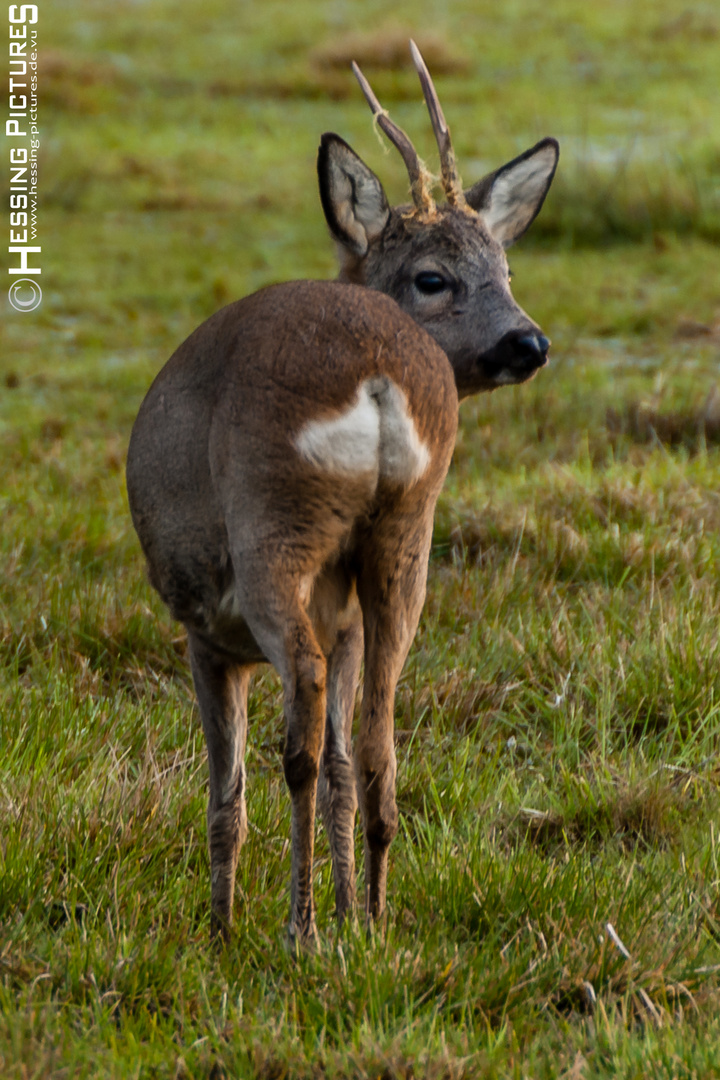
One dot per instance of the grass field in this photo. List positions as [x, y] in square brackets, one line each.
[558, 718]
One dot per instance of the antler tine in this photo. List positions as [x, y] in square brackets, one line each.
[418, 177]
[450, 177]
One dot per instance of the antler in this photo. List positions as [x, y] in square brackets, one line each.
[450, 177]
[419, 178]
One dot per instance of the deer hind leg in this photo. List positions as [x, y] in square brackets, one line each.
[391, 588]
[337, 798]
[275, 613]
[222, 688]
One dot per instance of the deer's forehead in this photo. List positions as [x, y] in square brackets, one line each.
[451, 234]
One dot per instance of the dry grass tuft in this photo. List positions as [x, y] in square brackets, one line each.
[692, 25]
[77, 85]
[649, 813]
[389, 50]
[692, 330]
[644, 422]
[464, 700]
[53, 429]
[545, 533]
[326, 72]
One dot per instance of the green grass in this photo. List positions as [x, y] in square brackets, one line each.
[558, 718]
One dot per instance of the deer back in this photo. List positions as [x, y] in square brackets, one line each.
[289, 416]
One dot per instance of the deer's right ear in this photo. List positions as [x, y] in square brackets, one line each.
[354, 201]
[510, 199]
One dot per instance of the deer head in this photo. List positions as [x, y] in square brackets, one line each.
[443, 264]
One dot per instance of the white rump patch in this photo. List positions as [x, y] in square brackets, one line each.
[404, 457]
[346, 444]
[375, 436]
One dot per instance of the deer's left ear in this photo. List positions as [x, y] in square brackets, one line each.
[354, 201]
[509, 199]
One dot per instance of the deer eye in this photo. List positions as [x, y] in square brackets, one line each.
[429, 282]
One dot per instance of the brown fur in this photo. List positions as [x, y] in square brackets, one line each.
[223, 503]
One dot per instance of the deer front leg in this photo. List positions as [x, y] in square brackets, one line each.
[337, 798]
[222, 688]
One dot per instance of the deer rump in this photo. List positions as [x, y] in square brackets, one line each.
[280, 431]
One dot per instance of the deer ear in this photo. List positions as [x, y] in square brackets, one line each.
[509, 199]
[354, 201]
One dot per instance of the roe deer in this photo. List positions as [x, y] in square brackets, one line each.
[282, 476]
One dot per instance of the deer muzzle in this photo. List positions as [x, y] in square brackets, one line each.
[516, 357]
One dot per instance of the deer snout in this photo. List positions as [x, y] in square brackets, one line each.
[528, 351]
[516, 357]
[513, 359]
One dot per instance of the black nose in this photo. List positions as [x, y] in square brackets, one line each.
[530, 350]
